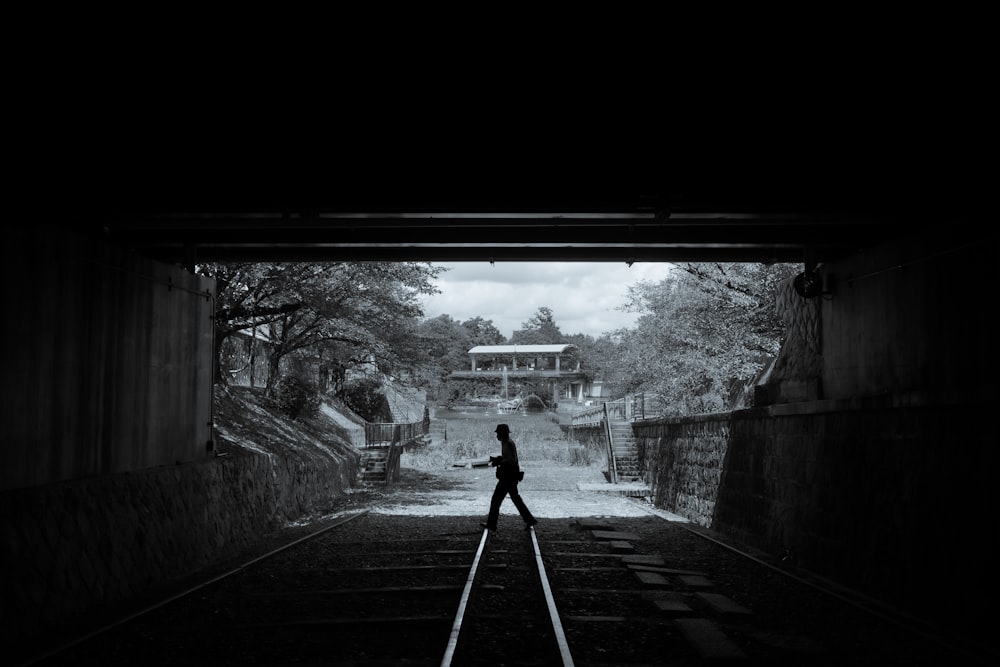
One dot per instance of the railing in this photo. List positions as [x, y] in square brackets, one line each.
[385, 434]
[520, 373]
[609, 438]
[392, 463]
[394, 437]
[634, 407]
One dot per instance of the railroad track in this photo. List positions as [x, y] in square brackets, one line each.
[388, 590]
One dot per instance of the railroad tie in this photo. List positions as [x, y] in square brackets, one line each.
[722, 604]
[708, 640]
[614, 535]
[621, 547]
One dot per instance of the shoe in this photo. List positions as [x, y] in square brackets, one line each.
[487, 527]
[529, 526]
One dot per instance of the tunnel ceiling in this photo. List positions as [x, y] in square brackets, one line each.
[186, 172]
[628, 226]
[191, 209]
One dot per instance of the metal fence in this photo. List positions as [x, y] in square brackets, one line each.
[386, 434]
[394, 436]
[633, 407]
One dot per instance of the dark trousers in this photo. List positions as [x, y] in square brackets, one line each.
[506, 488]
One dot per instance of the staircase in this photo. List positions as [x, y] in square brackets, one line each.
[405, 405]
[374, 463]
[626, 452]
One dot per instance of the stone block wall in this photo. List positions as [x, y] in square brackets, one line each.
[684, 462]
[891, 496]
[73, 547]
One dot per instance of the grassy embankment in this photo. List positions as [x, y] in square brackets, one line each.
[247, 421]
[538, 438]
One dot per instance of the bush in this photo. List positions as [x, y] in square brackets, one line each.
[366, 399]
[538, 439]
[296, 397]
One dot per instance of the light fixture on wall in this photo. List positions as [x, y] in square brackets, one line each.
[811, 283]
[808, 284]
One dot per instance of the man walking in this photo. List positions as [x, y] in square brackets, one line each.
[508, 475]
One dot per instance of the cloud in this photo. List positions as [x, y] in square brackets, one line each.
[583, 296]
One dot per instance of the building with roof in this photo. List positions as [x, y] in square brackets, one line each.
[559, 364]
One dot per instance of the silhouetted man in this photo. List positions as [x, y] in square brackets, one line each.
[508, 475]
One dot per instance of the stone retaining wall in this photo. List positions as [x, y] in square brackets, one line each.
[71, 548]
[885, 496]
[683, 460]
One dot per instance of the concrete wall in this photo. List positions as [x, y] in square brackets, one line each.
[110, 483]
[106, 360]
[871, 457]
[911, 316]
[79, 546]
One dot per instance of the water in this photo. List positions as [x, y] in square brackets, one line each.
[478, 412]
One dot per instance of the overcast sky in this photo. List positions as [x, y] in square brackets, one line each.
[583, 296]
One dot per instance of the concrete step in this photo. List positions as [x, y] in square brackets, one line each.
[373, 466]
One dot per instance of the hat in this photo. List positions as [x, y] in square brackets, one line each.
[503, 428]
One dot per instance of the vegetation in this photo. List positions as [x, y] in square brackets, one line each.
[706, 332]
[332, 317]
[296, 397]
[538, 438]
[366, 399]
[336, 329]
[541, 329]
[704, 335]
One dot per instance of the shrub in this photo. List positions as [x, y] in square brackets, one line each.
[366, 399]
[296, 397]
[538, 438]
[580, 456]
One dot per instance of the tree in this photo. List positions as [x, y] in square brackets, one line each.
[248, 296]
[705, 333]
[541, 329]
[483, 332]
[446, 344]
[336, 312]
[592, 353]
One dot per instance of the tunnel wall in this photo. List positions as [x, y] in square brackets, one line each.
[869, 457]
[81, 546]
[884, 498]
[106, 360]
[111, 481]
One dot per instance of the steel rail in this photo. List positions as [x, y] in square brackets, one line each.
[456, 628]
[188, 591]
[567, 658]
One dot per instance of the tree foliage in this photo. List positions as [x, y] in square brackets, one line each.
[297, 397]
[335, 314]
[541, 329]
[365, 398]
[483, 332]
[446, 344]
[705, 332]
